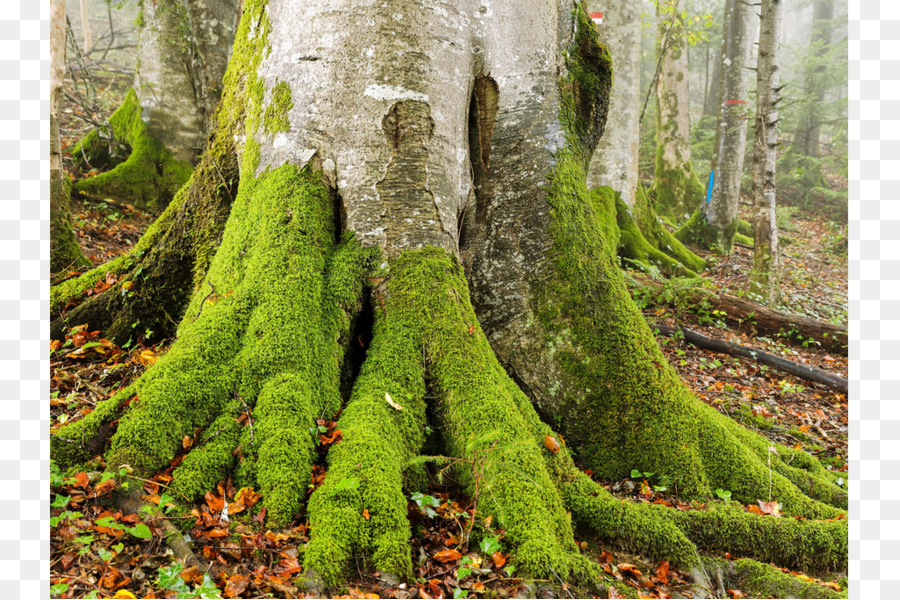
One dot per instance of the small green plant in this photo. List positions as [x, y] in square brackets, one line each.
[786, 387]
[426, 503]
[724, 494]
[169, 579]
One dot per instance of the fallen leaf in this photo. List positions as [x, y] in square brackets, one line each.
[662, 571]
[499, 559]
[366, 514]
[551, 444]
[754, 509]
[629, 569]
[81, 480]
[770, 508]
[390, 401]
[448, 555]
[216, 503]
[123, 595]
[236, 585]
[606, 557]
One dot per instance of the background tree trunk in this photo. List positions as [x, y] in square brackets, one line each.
[823, 16]
[64, 250]
[86, 27]
[615, 162]
[182, 55]
[720, 212]
[678, 191]
[764, 281]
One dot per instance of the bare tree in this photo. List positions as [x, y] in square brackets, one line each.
[764, 280]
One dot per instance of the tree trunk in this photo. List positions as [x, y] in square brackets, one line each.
[823, 15]
[182, 55]
[615, 162]
[711, 100]
[764, 281]
[678, 191]
[86, 27]
[383, 151]
[720, 212]
[64, 250]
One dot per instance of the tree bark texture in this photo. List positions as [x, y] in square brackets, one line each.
[731, 130]
[404, 160]
[678, 191]
[615, 162]
[64, 250]
[764, 281]
[182, 55]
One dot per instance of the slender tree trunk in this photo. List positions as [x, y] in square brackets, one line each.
[678, 191]
[720, 212]
[615, 162]
[764, 280]
[86, 27]
[823, 15]
[64, 250]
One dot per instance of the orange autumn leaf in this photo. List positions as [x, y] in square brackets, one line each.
[833, 586]
[551, 444]
[247, 496]
[754, 509]
[662, 571]
[499, 559]
[81, 479]
[449, 555]
[606, 557]
[187, 441]
[629, 569]
[216, 503]
[366, 514]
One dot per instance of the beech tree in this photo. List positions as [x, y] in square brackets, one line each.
[714, 221]
[675, 183]
[764, 281]
[413, 174]
[160, 129]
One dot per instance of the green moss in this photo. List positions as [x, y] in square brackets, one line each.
[803, 544]
[149, 177]
[627, 410]
[615, 221]
[275, 118]
[73, 444]
[760, 580]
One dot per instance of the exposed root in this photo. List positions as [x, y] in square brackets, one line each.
[760, 580]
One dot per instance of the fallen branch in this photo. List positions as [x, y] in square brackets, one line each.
[808, 373]
[761, 319]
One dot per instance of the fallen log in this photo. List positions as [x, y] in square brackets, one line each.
[838, 384]
[758, 319]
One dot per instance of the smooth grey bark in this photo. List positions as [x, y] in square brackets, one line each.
[182, 55]
[674, 181]
[711, 100]
[615, 161]
[764, 280]
[731, 131]
[64, 250]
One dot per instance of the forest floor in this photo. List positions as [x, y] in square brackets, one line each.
[101, 553]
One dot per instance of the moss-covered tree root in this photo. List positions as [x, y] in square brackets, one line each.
[148, 177]
[640, 237]
[760, 580]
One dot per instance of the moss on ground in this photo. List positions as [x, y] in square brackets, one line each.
[760, 580]
[149, 177]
